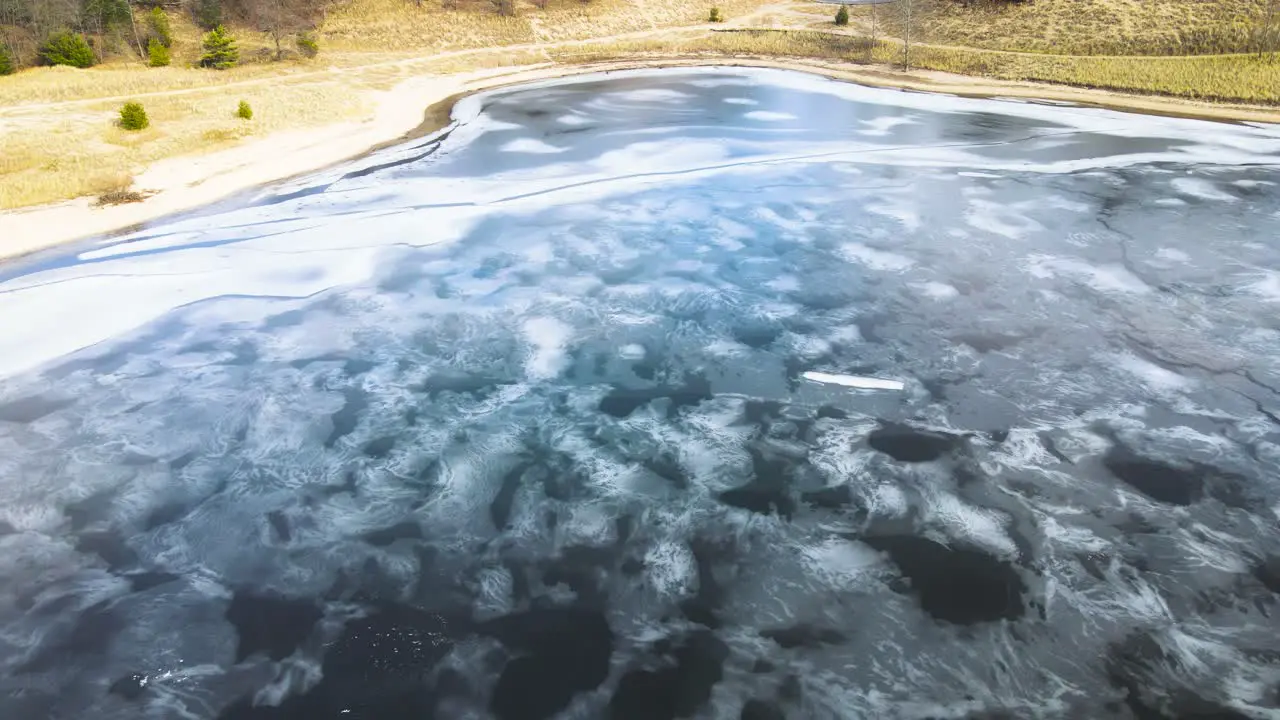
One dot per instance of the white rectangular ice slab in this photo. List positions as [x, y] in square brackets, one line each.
[854, 381]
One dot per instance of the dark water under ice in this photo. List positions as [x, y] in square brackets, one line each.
[521, 419]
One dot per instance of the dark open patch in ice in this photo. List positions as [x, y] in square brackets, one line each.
[279, 523]
[503, 500]
[1156, 480]
[557, 653]
[461, 382]
[144, 581]
[669, 469]
[407, 530]
[757, 335]
[130, 687]
[31, 409]
[769, 490]
[956, 584]
[355, 402]
[907, 444]
[378, 669]
[831, 498]
[108, 545]
[988, 342]
[583, 569]
[1267, 571]
[90, 635]
[804, 636]
[703, 607]
[622, 401]
[273, 625]
[379, 448]
[1148, 676]
[679, 688]
[756, 709]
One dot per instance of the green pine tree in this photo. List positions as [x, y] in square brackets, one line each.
[7, 66]
[133, 117]
[220, 50]
[67, 48]
[842, 15]
[160, 28]
[157, 53]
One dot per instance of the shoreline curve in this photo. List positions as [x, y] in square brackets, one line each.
[184, 184]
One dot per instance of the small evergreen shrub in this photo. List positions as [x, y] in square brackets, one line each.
[715, 15]
[244, 112]
[67, 48]
[307, 45]
[160, 28]
[7, 66]
[133, 117]
[220, 50]
[842, 15]
[157, 53]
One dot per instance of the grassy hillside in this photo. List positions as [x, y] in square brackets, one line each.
[1098, 27]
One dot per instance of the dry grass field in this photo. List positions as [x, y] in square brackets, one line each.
[1098, 27]
[58, 136]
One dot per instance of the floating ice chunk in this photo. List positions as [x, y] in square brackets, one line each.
[741, 101]
[1171, 202]
[532, 145]
[854, 381]
[769, 116]
[574, 120]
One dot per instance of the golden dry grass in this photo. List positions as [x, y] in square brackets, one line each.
[1097, 27]
[1232, 78]
[58, 137]
[85, 153]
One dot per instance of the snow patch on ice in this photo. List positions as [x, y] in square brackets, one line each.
[769, 116]
[875, 259]
[549, 338]
[533, 146]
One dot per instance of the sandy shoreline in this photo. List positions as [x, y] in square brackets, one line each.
[184, 183]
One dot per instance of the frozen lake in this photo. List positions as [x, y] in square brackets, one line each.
[682, 393]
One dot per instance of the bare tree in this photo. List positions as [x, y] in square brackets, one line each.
[873, 32]
[906, 20]
[1266, 28]
[280, 19]
[910, 17]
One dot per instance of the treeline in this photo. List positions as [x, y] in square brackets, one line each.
[84, 32]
